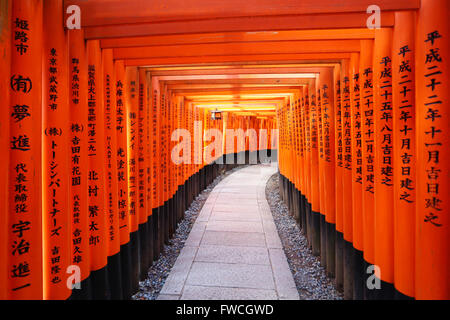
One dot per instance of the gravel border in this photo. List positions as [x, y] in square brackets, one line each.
[157, 274]
[310, 277]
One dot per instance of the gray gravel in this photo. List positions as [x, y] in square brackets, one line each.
[309, 276]
[149, 288]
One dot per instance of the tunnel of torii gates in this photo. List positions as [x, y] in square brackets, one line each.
[90, 193]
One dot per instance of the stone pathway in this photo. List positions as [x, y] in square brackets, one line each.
[233, 251]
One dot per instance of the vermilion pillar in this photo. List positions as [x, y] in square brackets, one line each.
[164, 169]
[347, 178]
[176, 168]
[384, 165]
[24, 264]
[170, 219]
[173, 126]
[78, 163]
[288, 146]
[292, 138]
[122, 153]
[111, 175]
[315, 197]
[142, 149]
[368, 176]
[279, 120]
[5, 66]
[109, 83]
[180, 175]
[131, 97]
[142, 163]
[301, 155]
[323, 235]
[55, 111]
[432, 110]
[121, 127]
[156, 170]
[96, 172]
[165, 123]
[356, 152]
[153, 165]
[132, 107]
[404, 107]
[338, 178]
[298, 153]
[307, 126]
[328, 128]
[148, 160]
[225, 117]
[356, 133]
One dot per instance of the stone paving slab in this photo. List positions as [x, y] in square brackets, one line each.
[240, 201]
[236, 254]
[231, 190]
[236, 208]
[250, 239]
[283, 277]
[231, 275]
[168, 297]
[224, 293]
[233, 251]
[235, 216]
[234, 226]
[175, 281]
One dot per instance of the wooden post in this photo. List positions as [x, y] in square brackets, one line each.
[111, 175]
[132, 107]
[121, 127]
[384, 192]
[357, 221]
[24, 263]
[142, 205]
[5, 74]
[328, 109]
[367, 120]
[148, 163]
[307, 129]
[403, 98]
[78, 164]
[347, 179]
[323, 235]
[315, 202]
[56, 218]
[158, 221]
[164, 167]
[338, 179]
[98, 240]
[432, 96]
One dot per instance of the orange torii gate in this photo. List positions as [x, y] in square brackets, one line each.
[120, 20]
[361, 115]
